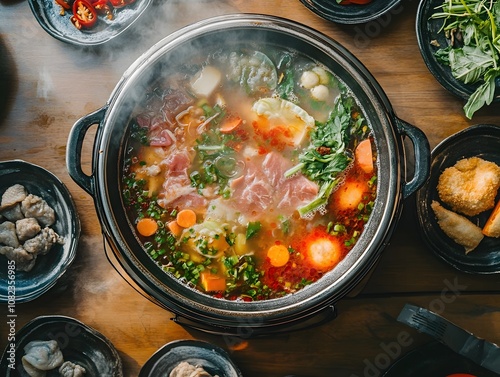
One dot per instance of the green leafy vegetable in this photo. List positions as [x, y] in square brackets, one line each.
[326, 157]
[474, 51]
[252, 229]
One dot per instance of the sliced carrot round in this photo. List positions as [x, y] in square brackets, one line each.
[147, 227]
[278, 255]
[186, 218]
[363, 156]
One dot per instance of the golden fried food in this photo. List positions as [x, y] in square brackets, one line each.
[459, 228]
[470, 186]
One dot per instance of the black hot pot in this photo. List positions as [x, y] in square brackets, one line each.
[311, 305]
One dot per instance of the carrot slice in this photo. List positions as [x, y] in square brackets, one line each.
[363, 156]
[174, 228]
[492, 226]
[147, 227]
[186, 218]
[230, 124]
[278, 255]
[211, 282]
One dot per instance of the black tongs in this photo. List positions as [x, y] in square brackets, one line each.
[480, 351]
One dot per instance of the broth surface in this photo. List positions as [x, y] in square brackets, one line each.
[250, 173]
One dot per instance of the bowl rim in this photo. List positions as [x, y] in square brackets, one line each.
[149, 366]
[329, 10]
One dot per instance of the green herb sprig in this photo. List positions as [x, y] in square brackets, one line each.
[474, 51]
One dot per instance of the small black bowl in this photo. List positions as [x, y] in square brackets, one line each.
[352, 13]
[50, 267]
[428, 30]
[434, 359]
[47, 13]
[78, 343]
[476, 141]
[213, 359]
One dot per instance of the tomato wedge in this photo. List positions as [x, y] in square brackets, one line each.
[84, 14]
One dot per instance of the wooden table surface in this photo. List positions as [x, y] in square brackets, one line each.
[46, 85]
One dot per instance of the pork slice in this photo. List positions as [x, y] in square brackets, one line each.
[296, 192]
[34, 206]
[8, 236]
[252, 191]
[290, 193]
[274, 167]
[173, 103]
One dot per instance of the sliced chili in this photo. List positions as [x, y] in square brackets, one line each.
[84, 14]
[103, 7]
[66, 4]
[120, 3]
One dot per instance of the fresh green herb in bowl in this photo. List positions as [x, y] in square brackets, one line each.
[473, 53]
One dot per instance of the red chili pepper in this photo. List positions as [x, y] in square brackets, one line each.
[66, 4]
[103, 7]
[84, 14]
[120, 3]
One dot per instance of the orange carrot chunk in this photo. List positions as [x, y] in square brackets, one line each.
[211, 282]
[230, 124]
[174, 228]
[492, 226]
[278, 255]
[363, 156]
[147, 227]
[186, 218]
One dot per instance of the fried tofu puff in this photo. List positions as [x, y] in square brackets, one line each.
[470, 186]
[460, 229]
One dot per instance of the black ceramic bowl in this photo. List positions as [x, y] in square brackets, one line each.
[352, 13]
[78, 343]
[50, 267]
[60, 27]
[198, 353]
[428, 30]
[434, 359]
[480, 141]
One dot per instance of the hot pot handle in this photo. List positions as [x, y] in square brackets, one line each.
[422, 153]
[74, 149]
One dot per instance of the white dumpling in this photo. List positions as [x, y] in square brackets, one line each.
[41, 356]
[69, 369]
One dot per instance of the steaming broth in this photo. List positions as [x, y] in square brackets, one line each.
[249, 174]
